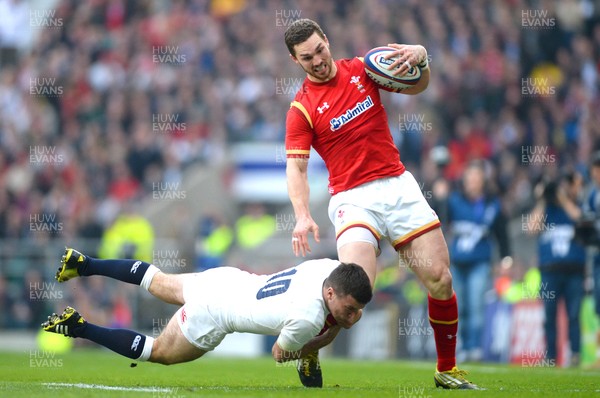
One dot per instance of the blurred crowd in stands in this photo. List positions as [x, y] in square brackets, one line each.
[101, 99]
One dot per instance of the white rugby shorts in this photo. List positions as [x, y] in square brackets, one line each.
[393, 208]
[195, 319]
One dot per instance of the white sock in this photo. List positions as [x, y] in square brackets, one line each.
[147, 351]
[147, 279]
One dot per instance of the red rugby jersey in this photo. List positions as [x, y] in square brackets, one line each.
[344, 120]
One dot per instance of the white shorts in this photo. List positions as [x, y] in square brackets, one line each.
[200, 294]
[393, 208]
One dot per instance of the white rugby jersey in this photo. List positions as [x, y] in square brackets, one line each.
[289, 303]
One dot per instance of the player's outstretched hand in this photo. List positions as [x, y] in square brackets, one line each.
[406, 55]
[300, 244]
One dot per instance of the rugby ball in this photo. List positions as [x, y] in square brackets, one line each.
[376, 67]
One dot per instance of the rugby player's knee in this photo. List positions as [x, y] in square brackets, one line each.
[164, 359]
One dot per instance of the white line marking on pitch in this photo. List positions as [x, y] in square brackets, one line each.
[108, 388]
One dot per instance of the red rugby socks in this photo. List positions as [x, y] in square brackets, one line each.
[443, 318]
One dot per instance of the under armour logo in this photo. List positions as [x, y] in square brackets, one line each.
[134, 267]
[136, 342]
[321, 109]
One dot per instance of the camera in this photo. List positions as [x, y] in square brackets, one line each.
[586, 230]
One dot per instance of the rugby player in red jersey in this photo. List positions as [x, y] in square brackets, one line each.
[338, 112]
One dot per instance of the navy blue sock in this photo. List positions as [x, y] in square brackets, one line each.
[130, 271]
[122, 341]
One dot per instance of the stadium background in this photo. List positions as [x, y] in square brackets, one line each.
[142, 127]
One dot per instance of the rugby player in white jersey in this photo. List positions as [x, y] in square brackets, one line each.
[295, 304]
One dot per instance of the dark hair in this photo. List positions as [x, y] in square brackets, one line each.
[569, 176]
[299, 31]
[350, 278]
[550, 185]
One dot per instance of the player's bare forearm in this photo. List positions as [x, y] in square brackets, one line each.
[421, 84]
[298, 188]
[321, 341]
[314, 344]
[299, 191]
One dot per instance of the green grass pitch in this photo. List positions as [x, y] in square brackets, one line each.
[100, 373]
